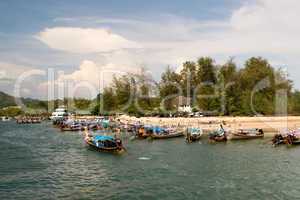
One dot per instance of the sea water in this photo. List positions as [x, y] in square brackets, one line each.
[39, 161]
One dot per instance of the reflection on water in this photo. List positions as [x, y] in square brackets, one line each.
[40, 162]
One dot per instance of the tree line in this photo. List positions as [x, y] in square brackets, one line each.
[252, 89]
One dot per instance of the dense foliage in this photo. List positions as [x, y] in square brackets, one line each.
[254, 89]
[11, 111]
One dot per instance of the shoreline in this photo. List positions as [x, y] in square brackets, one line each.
[271, 124]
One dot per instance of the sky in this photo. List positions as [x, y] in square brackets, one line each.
[84, 42]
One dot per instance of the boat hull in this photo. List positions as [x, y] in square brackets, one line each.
[292, 140]
[143, 136]
[71, 129]
[218, 138]
[193, 138]
[105, 149]
[167, 136]
[237, 136]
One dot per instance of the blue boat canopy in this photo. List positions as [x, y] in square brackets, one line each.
[102, 138]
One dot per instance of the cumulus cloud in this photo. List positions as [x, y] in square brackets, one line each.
[88, 80]
[11, 71]
[19, 80]
[97, 74]
[84, 40]
[261, 28]
[264, 27]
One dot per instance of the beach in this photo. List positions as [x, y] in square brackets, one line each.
[270, 125]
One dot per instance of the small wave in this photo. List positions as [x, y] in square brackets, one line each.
[144, 158]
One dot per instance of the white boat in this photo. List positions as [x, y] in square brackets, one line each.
[5, 119]
[59, 113]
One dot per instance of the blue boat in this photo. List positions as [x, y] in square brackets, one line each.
[144, 131]
[193, 134]
[166, 133]
[104, 143]
[219, 135]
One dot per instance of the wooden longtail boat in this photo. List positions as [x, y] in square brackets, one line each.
[222, 138]
[193, 134]
[144, 132]
[279, 139]
[105, 144]
[72, 128]
[161, 133]
[292, 139]
[167, 136]
[288, 137]
[218, 135]
[244, 134]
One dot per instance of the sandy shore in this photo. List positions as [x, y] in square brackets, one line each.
[270, 125]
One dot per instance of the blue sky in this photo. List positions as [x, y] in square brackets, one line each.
[80, 37]
[19, 16]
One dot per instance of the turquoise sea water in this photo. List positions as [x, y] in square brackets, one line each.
[40, 162]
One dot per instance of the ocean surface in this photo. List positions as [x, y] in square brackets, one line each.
[40, 162]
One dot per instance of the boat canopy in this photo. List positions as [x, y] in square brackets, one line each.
[102, 138]
[105, 123]
[193, 130]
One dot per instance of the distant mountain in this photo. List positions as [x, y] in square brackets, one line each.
[8, 100]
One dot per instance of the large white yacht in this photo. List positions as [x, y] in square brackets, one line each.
[59, 113]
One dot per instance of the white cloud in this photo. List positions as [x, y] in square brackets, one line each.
[84, 40]
[261, 28]
[265, 27]
[20, 80]
[87, 80]
[12, 71]
[97, 74]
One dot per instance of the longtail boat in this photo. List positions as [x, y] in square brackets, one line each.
[293, 139]
[105, 143]
[144, 132]
[73, 127]
[278, 139]
[166, 133]
[244, 134]
[219, 135]
[287, 137]
[193, 134]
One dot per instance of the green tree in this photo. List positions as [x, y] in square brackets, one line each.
[258, 83]
[294, 103]
[206, 70]
[81, 103]
[11, 111]
[143, 98]
[124, 88]
[228, 79]
[188, 78]
[109, 101]
[169, 88]
[207, 90]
